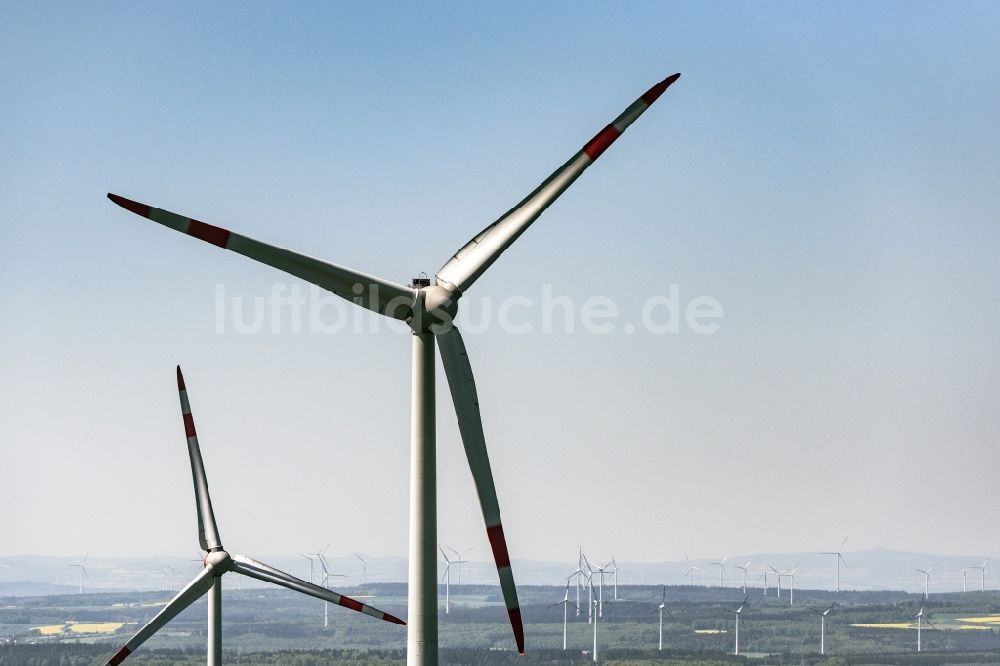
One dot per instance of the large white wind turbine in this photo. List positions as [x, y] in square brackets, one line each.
[722, 570]
[446, 579]
[565, 604]
[661, 608]
[927, 579]
[321, 555]
[430, 310]
[822, 626]
[218, 562]
[83, 570]
[840, 559]
[921, 618]
[738, 612]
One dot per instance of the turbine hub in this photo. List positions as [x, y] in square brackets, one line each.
[434, 310]
[217, 559]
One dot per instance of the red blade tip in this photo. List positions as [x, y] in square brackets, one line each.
[654, 93]
[180, 380]
[128, 204]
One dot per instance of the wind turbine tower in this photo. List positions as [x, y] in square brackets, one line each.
[429, 307]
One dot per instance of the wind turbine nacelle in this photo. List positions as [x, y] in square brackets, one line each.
[216, 558]
[434, 310]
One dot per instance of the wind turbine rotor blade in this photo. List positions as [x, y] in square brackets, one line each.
[263, 572]
[463, 393]
[208, 532]
[443, 555]
[472, 260]
[195, 589]
[370, 292]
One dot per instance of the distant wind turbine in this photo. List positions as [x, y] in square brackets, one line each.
[312, 562]
[218, 562]
[565, 604]
[982, 571]
[83, 570]
[364, 567]
[690, 571]
[744, 568]
[460, 560]
[722, 570]
[840, 560]
[927, 580]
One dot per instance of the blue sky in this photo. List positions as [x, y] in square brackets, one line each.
[827, 173]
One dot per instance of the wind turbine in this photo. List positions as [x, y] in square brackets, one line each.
[822, 626]
[791, 587]
[218, 562]
[738, 612]
[311, 563]
[364, 567]
[661, 608]
[744, 568]
[982, 570]
[429, 310]
[597, 616]
[601, 571]
[565, 605]
[777, 574]
[690, 571]
[580, 576]
[764, 576]
[446, 578]
[927, 580]
[460, 560]
[615, 572]
[83, 570]
[170, 569]
[965, 580]
[920, 617]
[722, 570]
[840, 560]
[321, 555]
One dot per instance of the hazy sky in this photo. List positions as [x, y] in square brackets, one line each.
[827, 174]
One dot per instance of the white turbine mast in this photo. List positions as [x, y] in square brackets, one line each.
[840, 559]
[921, 618]
[218, 562]
[982, 571]
[430, 310]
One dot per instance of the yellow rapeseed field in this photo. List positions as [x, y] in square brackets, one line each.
[79, 628]
[710, 631]
[887, 625]
[988, 619]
